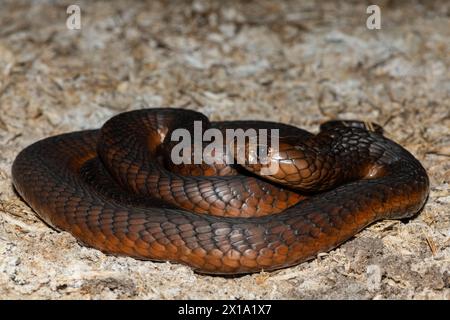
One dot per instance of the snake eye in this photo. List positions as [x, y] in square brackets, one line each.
[375, 171]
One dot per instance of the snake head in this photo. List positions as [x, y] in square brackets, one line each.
[289, 161]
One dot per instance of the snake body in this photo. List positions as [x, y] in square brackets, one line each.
[110, 189]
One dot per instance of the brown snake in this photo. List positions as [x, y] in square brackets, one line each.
[112, 190]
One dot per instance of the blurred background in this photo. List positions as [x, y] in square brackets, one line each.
[298, 62]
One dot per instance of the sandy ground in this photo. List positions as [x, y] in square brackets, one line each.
[289, 61]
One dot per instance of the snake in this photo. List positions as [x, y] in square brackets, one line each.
[114, 190]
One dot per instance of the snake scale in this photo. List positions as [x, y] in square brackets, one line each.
[113, 190]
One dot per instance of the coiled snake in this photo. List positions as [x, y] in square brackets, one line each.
[112, 190]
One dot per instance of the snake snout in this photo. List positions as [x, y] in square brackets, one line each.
[259, 158]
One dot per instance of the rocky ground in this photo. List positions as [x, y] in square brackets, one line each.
[290, 61]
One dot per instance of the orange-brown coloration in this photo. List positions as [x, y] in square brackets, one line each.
[112, 191]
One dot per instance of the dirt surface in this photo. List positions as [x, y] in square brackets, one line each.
[290, 61]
